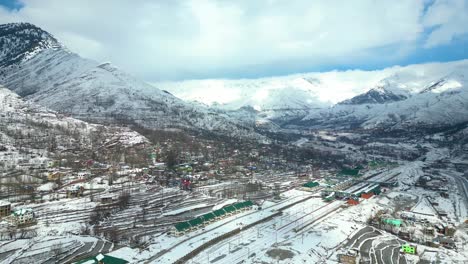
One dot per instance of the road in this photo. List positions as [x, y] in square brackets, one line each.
[463, 186]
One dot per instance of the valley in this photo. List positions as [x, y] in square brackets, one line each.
[95, 163]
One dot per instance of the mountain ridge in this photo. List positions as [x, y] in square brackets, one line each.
[100, 92]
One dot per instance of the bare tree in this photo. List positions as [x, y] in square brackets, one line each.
[124, 199]
[56, 250]
[85, 230]
[12, 231]
[112, 234]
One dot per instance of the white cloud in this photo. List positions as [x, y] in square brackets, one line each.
[178, 39]
[450, 20]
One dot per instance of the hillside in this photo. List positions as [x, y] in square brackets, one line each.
[46, 73]
[32, 134]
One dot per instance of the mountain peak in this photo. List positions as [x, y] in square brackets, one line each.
[20, 41]
[378, 95]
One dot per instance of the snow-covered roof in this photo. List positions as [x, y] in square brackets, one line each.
[4, 203]
[22, 211]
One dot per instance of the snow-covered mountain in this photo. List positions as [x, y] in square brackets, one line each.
[36, 66]
[337, 99]
[46, 73]
[436, 96]
[377, 95]
[29, 133]
[396, 96]
[280, 99]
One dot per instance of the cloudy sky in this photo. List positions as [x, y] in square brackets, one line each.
[176, 40]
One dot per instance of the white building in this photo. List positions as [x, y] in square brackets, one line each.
[23, 216]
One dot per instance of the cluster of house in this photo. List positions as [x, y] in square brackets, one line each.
[351, 196]
[435, 235]
[433, 183]
[19, 217]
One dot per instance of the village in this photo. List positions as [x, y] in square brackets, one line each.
[173, 199]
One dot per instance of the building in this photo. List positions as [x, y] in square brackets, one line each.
[54, 176]
[446, 242]
[351, 257]
[408, 249]
[106, 199]
[353, 201]
[5, 208]
[181, 228]
[75, 191]
[103, 259]
[450, 230]
[367, 195]
[393, 222]
[310, 185]
[24, 216]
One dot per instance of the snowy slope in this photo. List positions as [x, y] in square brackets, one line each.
[47, 73]
[56, 78]
[377, 95]
[31, 132]
[433, 98]
[23, 41]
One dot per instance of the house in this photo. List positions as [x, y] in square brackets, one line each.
[75, 191]
[408, 249]
[53, 176]
[353, 202]
[446, 242]
[106, 199]
[349, 258]
[393, 222]
[24, 216]
[102, 259]
[404, 235]
[450, 230]
[5, 208]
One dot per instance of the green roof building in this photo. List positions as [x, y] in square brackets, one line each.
[310, 184]
[104, 259]
[219, 212]
[409, 249]
[248, 203]
[208, 217]
[196, 221]
[393, 222]
[350, 172]
[182, 226]
[229, 209]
